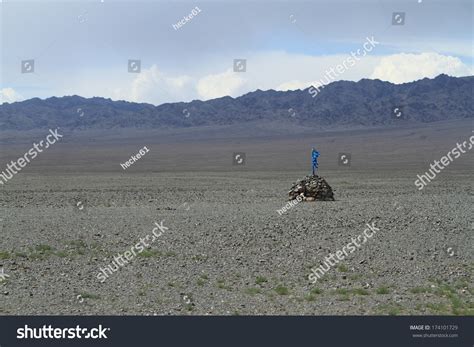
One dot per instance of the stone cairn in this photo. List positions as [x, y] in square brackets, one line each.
[312, 188]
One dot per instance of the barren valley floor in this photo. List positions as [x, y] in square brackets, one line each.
[227, 251]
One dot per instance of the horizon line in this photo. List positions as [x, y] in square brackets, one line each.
[228, 96]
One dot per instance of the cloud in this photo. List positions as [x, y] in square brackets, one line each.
[266, 70]
[305, 70]
[449, 46]
[404, 67]
[153, 86]
[296, 84]
[293, 85]
[215, 86]
[9, 95]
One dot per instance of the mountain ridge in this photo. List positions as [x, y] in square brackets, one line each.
[366, 103]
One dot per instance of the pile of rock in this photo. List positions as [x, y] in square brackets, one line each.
[312, 188]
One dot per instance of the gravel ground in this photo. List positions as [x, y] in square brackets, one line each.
[228, 251]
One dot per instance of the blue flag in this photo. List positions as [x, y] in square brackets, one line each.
[314, 160]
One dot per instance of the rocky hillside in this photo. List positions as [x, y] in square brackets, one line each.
[366, 103]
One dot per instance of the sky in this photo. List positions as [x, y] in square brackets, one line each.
[83, 48]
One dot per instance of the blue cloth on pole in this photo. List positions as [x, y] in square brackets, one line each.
[315, 155]
[314, 160]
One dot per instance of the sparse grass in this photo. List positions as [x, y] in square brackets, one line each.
[342, 268]
[281, 290]
[360, 291]
[43, 251]
[61, 254]
[43, 248]
[203, 278]
[40, 251]
[148, 253]
[444, 290]
[437, 308]
[221, 285]
[316, 291]
[342, 291]
[394, 311]
[200, 257]
[253, 291]
[419, 290]
[435, 280]
[343, 297]
[355, 291]
[383, 290]
[459, 308]
[455, 304]
[4, 255]
[77, 244]
[143, 290]
[260, 280]
[464, 285]
[313, 294]
[391, 310]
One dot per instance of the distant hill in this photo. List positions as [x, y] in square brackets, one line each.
[367, 103]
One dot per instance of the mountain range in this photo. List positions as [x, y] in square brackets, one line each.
[366, 103]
